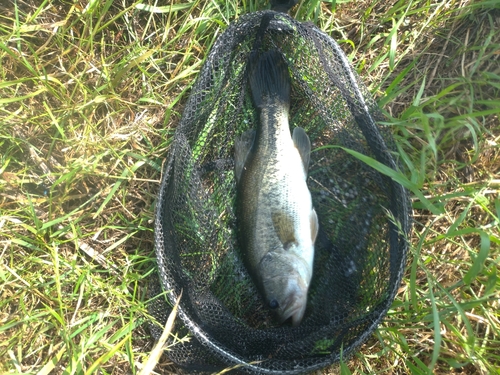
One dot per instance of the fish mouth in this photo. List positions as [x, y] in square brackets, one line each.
[295, 309]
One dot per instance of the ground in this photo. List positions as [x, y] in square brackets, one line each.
[90, 94]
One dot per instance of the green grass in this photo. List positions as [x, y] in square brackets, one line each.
[90, 93]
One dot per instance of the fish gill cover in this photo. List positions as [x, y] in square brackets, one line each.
[364, 216]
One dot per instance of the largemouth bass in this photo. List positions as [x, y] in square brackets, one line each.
[276, 220]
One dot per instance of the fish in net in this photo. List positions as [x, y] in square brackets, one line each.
[364, 216]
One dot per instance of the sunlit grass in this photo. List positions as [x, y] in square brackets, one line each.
[90, 93]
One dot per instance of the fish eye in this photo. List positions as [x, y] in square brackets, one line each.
[273, 304]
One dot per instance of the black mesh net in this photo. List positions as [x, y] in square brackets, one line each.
[364, 216]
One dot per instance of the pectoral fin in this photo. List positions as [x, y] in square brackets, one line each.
[314, 225]
[283, 225]
[242, 147]
[303, 145]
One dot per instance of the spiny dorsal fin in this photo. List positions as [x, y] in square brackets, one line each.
[303, 144]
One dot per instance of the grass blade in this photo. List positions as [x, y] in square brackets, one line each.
[395, 175]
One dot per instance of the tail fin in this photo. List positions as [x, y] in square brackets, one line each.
[269, 79]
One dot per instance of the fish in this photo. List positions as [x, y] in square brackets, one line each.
[277, 223]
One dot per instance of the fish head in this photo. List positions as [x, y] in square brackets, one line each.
[285, 280]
